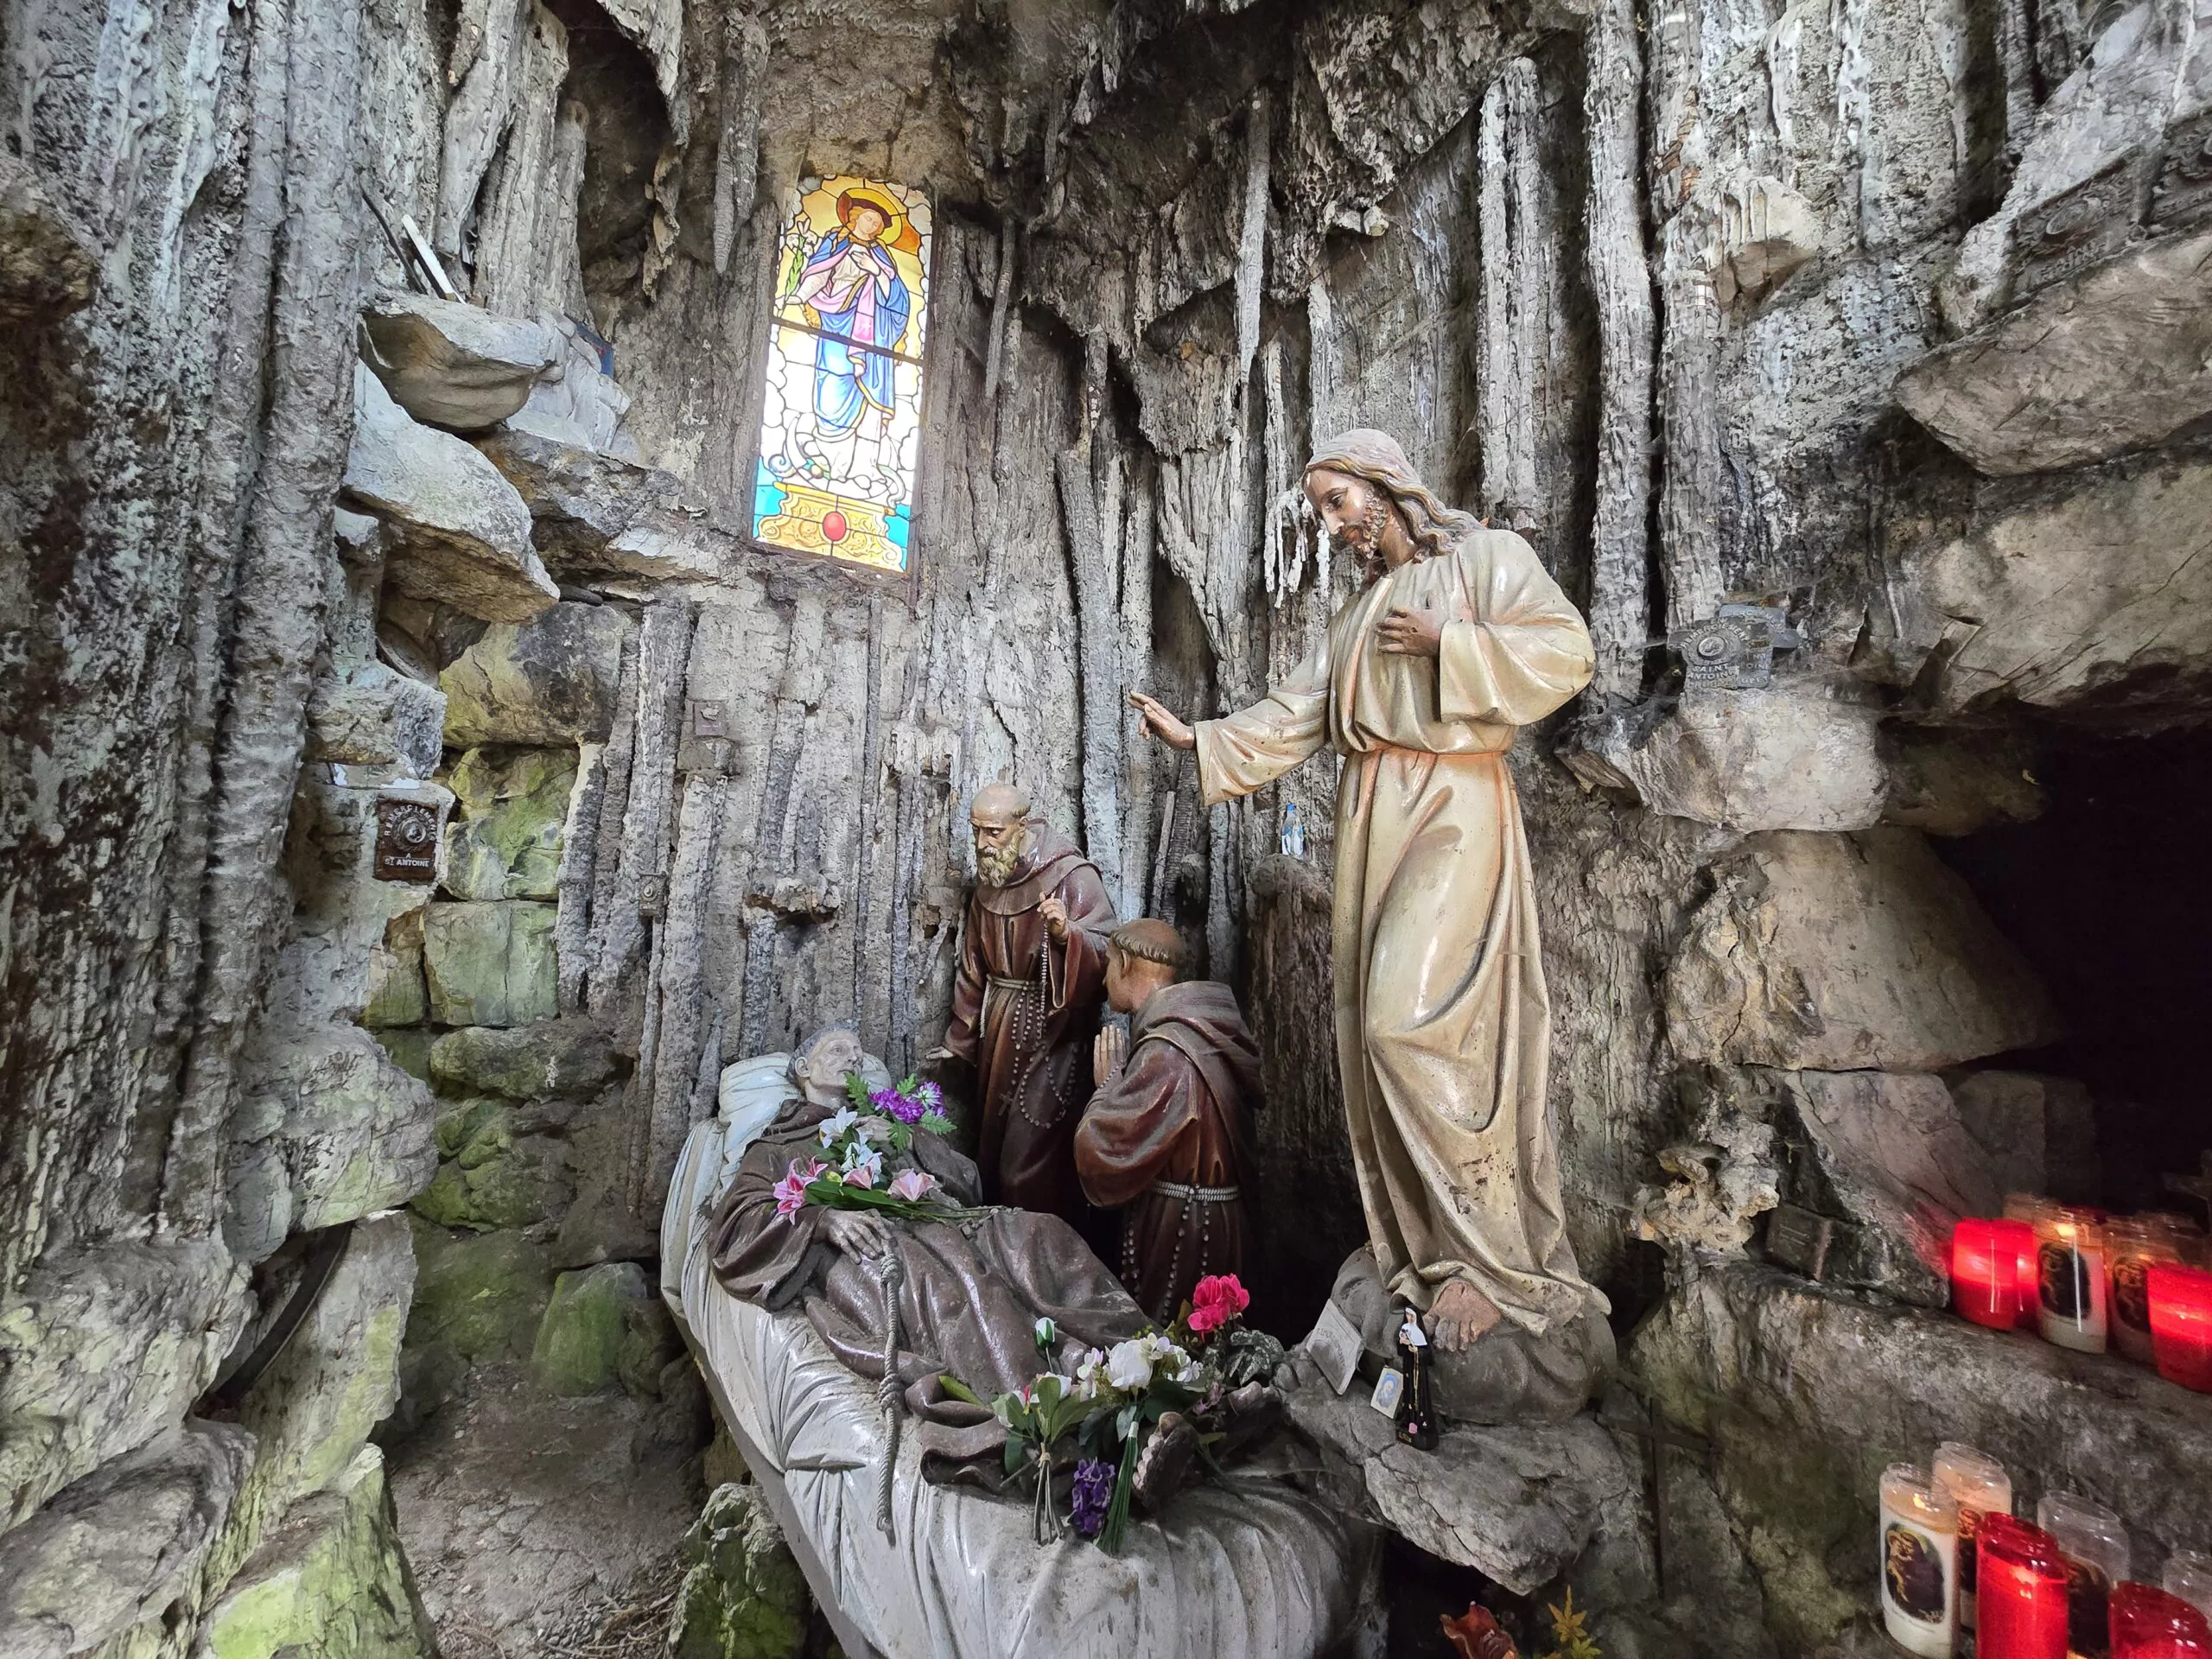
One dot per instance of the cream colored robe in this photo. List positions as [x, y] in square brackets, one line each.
[1443, 1028]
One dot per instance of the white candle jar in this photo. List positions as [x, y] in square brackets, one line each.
[1919, 1563]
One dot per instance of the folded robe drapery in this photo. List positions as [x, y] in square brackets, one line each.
[1178, 1113]
[1030, 1096]
[1443, 1026]
[972, 1291]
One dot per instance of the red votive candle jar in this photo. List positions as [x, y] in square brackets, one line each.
[2181, 1323]
[2022, 1600]
[2149, 1623]
[1986, 1257]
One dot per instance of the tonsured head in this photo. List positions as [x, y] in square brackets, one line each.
[1142, 956]
[999, 817]
[820, 1064]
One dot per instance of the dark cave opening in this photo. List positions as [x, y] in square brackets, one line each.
[2105, 893]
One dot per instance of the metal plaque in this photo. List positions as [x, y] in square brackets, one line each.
[1798, 1238]
[407, 842]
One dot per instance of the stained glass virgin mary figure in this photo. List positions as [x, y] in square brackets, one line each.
[842, 419]
[859, 300]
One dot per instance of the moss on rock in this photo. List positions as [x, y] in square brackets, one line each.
[331, 1581]
[483, 1292]
[492, 1175]
[489, 964]
[561, 1058]
[743, 1596]
[580, 1340]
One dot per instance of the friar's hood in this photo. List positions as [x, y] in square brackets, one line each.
[1201, 1018]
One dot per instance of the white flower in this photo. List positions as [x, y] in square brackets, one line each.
[1090, 1374]
[1164, 1357]
[861, 1159]
[1047, 1333]
[836, 1123]
[1128, 1366]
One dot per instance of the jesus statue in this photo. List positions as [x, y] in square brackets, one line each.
[1458, 639]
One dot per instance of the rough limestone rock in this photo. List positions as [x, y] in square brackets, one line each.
[2099, 602]
[451, 365]
[551, 681]
[495, 1174]
[1950, 782]
[2034, 390]
[581, 406]
[102, 1350]
[564, 1058]
[652, 1348]
[482, 1294]
[489, 964]
[352, 1132]
[312, 1410]
[1840, 952]
[743, 1596]
[1787, 757]
[506, 840]
[397, 995]
[460, 534]
[580, 1340]
[331, 1581]
[116, 1545]
[375, 717]
[1517, 1505]
[596, 514]
[2040, 1133]
[1767, 232]
[47, 265]
[1888, 1153]
[1798, 1387]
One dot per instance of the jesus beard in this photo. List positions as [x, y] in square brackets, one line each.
[1364, 540]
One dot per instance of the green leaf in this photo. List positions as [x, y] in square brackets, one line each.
[856, 1089]
[959, 1391]
[937, 1123]
[1117, 1511]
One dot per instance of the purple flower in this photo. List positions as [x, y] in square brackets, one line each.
[891, 1103]
[1093, 1495]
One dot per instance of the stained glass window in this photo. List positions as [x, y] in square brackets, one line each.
[840, 427]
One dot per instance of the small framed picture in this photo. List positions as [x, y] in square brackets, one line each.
[1388, 1389]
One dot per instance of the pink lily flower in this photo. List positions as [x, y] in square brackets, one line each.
[790, 1191]
[912, 1184]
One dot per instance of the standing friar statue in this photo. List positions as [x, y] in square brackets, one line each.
[1457, 638]
[1025, 1004]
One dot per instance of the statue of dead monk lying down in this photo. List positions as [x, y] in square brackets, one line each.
[971, 1288]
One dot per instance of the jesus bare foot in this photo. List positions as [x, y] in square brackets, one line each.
[1459, 1315]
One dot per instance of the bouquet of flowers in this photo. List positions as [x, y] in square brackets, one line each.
[1109, 1405]
[860, 1141]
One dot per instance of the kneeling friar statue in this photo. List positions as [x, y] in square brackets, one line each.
[1166, 1138]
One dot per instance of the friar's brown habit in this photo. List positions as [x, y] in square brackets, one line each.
[1167, 1142]
[973, 1289]
[1025, 1007]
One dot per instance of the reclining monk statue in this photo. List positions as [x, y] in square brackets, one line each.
[971, 1289]
[1458, 639]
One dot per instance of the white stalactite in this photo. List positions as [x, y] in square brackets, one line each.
[1620, 285]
